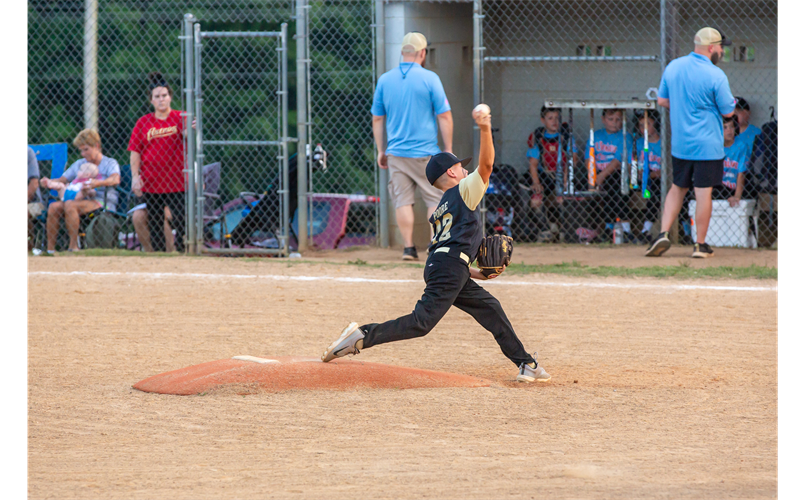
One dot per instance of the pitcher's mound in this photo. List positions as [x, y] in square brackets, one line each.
[284, 373]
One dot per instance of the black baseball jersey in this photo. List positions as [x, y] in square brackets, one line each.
[456, 221]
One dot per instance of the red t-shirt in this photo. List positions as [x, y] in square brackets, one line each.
[161, 148]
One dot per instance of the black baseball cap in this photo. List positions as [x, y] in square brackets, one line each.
[440, 163]
[725, 42]
[740, 103]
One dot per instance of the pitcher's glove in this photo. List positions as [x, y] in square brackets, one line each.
[495, 254]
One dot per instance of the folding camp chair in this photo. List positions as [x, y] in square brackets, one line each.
[101, 228]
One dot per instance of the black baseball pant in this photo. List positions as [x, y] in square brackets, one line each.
[155, 208]
[448, 283]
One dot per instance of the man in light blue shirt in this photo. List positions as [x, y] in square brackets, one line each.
[408, 102]
[698, 95]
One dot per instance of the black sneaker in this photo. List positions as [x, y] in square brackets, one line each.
[659, 246]
[702, 251]
[409, 253]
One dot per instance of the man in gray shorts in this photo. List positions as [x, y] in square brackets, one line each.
[408, 101]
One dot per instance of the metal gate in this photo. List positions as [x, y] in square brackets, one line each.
[236, 93]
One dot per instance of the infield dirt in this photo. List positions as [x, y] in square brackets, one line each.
[657, 391]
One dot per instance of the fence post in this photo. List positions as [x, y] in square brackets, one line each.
[301, 122]
[286, 224]
[190, 136]
[91, 64]
[477, 87]
[198, 164]
[668, 29]
[383, 174]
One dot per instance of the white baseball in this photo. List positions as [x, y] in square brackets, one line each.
[483, 109]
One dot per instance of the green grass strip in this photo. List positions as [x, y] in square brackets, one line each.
[682, 271]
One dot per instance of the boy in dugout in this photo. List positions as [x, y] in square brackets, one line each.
[609, 145]
[652, 211]
[543, 157]
[736, 158]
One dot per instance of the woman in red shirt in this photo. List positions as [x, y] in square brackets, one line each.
[157, 161]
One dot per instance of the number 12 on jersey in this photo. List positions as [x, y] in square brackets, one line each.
[442, 230]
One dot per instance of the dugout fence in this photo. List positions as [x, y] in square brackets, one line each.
[531, 52]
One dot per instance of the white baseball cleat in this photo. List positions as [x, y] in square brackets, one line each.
[528, 374]
[346, 343]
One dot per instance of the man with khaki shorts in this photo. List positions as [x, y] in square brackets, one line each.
[408, 101]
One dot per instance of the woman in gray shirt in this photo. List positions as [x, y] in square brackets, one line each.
[89, 143]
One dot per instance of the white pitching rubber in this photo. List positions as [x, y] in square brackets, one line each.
[255, 359]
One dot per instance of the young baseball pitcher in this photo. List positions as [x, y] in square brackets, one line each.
[457, 237]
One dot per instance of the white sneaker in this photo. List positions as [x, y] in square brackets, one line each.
[528, 374]
[345, 344]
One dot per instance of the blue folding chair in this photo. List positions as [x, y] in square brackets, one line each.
[57, 155]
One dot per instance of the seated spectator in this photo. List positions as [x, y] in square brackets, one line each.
[543, 157]
[89, 144]
[736, 157]
[652, 211]
[35, 205]
[80, 188]
[609, 145]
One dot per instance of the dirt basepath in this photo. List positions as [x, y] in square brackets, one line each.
[661, 388]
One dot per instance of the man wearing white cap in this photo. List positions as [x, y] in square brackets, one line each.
[408, 101]
[698, 95]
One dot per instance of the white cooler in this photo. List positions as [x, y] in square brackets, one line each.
[729, 227]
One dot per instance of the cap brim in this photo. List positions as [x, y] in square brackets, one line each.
[466, 161]
[726, 42]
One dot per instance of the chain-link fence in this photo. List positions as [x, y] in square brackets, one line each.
[342, 76]
[89, 63]
[239, 95]
[581, 54]
[89, 66]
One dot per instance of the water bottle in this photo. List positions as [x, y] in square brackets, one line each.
[617, 232]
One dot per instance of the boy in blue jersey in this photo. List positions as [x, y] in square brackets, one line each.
[654, 163]
[609, 146]
[449, 278]
[746, 132]
[543, 157]
[543, 150]
[736, 159]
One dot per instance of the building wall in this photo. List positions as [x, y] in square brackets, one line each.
[448, 29]
[557, 28]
